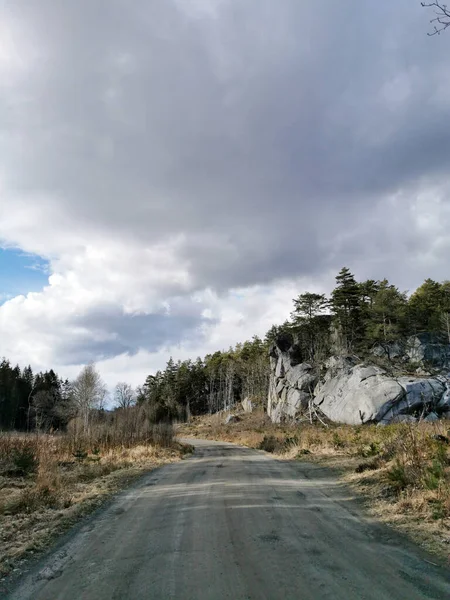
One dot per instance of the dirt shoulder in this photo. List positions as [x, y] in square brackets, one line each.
[400, 473]
[38, 504]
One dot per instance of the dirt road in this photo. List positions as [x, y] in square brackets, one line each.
[234, 523]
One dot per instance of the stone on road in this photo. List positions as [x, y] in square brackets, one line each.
[234, 523]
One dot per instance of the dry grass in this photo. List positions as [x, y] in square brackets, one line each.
[48, 481]
[402, 471]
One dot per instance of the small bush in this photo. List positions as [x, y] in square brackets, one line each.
[398, 476]
[441, 454]
[290, 442]
[31, 499]
[372, 449]
[434, 476]
[338, 442]
[269, 443]
[25, 460]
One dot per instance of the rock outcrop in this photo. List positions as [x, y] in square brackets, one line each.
[425, 349]
[348, 391]
[291, 382]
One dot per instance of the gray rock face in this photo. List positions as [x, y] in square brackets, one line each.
[279, 369]
[424, 348]
[352, 392]
[390, 350]
[357, 395]
[291, 382]
[301, 377]
[444, 402]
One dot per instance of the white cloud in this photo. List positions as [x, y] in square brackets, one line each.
[188, 168]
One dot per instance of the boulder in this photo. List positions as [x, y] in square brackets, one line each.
[356, 395]
[420, 395]
[389, 350]
[365, 393]
[444, 402]
[426, 348]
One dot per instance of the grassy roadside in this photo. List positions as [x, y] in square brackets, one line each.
[402, 472]
[47, 482]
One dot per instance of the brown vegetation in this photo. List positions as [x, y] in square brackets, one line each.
[403, 470]
[48, 481]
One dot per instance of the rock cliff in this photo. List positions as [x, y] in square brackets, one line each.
[349, 391]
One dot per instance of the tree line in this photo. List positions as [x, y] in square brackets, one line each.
[217, 382]
[45, 402]
[359, 315]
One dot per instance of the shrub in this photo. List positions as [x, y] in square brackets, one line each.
[398, 476]
[269, 443]
[338, 442]
[289, 442]
[24, 459]
[372, 449]
[434, 475]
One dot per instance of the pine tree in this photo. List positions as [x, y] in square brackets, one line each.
[346, 306]
[387, 314]
[310, 328]
[307, 306]
[425, 307]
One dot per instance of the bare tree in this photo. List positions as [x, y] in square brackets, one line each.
[124, 395]
[442, 19]
[88, 393]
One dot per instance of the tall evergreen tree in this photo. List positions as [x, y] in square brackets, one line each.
[386, 318]
[347, 307]
[310, 328]
[426, 305]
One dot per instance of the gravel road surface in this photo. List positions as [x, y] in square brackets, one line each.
[234, 523]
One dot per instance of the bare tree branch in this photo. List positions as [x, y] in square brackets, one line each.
[124, 395]
[442, 19]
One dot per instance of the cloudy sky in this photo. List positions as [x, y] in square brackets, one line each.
[174, 172]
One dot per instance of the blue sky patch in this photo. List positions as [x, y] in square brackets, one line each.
[21, 273]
